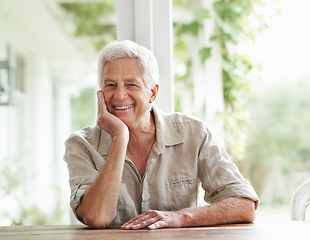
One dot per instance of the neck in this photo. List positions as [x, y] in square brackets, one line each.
[145, 132]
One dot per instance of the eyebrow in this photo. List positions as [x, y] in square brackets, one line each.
[108, 80]
[133, 80]
[127, 80]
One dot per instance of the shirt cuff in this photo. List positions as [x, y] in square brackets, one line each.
[234, 190]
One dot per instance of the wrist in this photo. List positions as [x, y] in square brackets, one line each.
[186, 218]
[122, 137]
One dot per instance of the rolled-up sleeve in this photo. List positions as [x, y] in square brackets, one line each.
[219, 175]
[81, 167]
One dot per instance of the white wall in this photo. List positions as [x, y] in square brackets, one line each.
[28, 126]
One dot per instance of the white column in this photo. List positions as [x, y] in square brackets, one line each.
[149, 23]
[213, 76]
[125, 19]
[144, 23]
[163, 50]
[208, 87]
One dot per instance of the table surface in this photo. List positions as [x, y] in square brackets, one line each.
[295, 230]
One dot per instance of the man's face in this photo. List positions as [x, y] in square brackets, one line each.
[125, 92]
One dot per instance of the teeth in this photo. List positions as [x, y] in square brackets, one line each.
[123, 107]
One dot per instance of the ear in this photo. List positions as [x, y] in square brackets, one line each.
[154, 91]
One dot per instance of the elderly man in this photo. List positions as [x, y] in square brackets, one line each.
[142, 168]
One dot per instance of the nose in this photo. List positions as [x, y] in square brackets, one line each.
[120, 93]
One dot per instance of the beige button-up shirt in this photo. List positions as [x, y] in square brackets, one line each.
[185, 155]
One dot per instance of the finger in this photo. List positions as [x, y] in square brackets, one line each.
[132, 221]
[98, 103]
[140, 217]
[102, 107]
[140, 221]
[100, 97]
[157, 225]
[100, 94]
[141, 224]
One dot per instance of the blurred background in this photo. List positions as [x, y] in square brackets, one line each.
[240, 65]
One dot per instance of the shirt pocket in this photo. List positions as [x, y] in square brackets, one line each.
[181, 192]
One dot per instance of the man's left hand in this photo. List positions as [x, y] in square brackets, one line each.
[153, 219]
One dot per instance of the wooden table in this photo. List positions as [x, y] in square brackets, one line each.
[294, 230]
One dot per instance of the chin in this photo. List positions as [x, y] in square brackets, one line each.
[126, 121]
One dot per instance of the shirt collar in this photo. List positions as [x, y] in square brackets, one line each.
[166, 134]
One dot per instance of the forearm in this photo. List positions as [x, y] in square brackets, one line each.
[229, 210]
[98, 206]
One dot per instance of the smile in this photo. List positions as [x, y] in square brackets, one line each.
[123, 107]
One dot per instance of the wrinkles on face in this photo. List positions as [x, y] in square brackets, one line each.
[126, 94]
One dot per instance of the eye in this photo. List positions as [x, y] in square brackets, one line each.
[132, 85]
[109, 85]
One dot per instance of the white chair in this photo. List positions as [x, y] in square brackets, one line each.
[300, 201]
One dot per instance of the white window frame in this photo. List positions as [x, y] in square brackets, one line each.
[149, 23]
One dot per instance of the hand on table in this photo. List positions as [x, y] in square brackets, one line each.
[153, 219]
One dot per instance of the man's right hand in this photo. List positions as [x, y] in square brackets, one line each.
[107, 121]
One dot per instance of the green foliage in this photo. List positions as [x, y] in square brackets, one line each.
[83, 109]
[194, 26]
[205, 53]
[184, 31]
[184, 3]
[233, 26]
[11, 177]
[280, 120]
[16, 179]
[33, 215]
[201, 14]
[190, 28]
[87, 18]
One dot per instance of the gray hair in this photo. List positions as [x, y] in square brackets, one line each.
[129, 49]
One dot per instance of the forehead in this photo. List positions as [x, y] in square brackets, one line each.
[122, 66]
